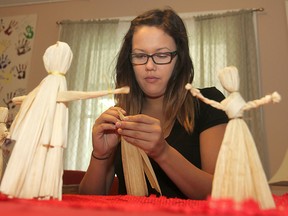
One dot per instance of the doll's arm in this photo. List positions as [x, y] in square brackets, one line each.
[66, 96]
[196, 93]
[18, 100]
[271, 98]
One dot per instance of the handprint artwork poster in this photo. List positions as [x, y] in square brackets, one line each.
[16, 45]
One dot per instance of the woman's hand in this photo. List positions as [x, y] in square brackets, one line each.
[104, 134]
[144, 132]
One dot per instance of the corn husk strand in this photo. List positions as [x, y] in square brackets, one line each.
[196, 93]
[52, 177]
[271, 98]
[148, 170]
[239, 174]
[54, 169]
[68, 96]
[133, 170]
[135, 165]
[3, 135]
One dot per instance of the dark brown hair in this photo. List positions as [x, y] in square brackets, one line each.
[177, 103]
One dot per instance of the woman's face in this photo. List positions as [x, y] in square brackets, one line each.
[151, 77]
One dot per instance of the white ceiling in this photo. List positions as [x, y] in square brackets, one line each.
[8, 3]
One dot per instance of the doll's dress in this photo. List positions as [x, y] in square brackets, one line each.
[40, 132]
[239, 174]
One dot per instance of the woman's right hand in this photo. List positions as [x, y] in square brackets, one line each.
[104, 134]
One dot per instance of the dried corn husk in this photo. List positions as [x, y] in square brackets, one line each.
[3, 134]
[33, 128]
[66, 96]
[40, 130]
[133, 170]
[239, 174]
[148, 169]
[135, 165]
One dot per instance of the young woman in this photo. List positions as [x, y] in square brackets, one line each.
[180, 134]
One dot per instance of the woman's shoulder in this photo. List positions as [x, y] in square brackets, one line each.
[212, 93]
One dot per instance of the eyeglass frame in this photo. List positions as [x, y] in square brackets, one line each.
[172, 56]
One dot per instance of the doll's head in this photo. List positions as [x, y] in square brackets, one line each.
[58, 57]
[229, 78]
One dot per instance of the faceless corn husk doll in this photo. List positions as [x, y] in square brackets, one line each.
[3, 135]
[35, 167]
[238, 174]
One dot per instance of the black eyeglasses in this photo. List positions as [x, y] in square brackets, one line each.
[158, 58]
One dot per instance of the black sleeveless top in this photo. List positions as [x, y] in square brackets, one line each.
[187, 144]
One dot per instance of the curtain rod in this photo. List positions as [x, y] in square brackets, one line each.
[260, 9]
[87, 20]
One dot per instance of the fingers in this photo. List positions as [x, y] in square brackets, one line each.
[104, 132]
[144, 132]
[143, 144]
[110, 116]
[141, 118]
[134, 137]
[107, 120]
[138, 123]
[103, 127]
[139, 128]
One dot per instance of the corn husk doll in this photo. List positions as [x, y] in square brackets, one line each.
[3, 135]
[238, 173]
[40, 128]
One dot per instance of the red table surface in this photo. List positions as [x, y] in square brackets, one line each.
[84, 205]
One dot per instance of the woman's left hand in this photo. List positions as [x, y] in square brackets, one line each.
[144, 132]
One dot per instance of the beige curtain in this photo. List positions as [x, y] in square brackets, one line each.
[220, 40]
[216, 40]
[94, 45]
